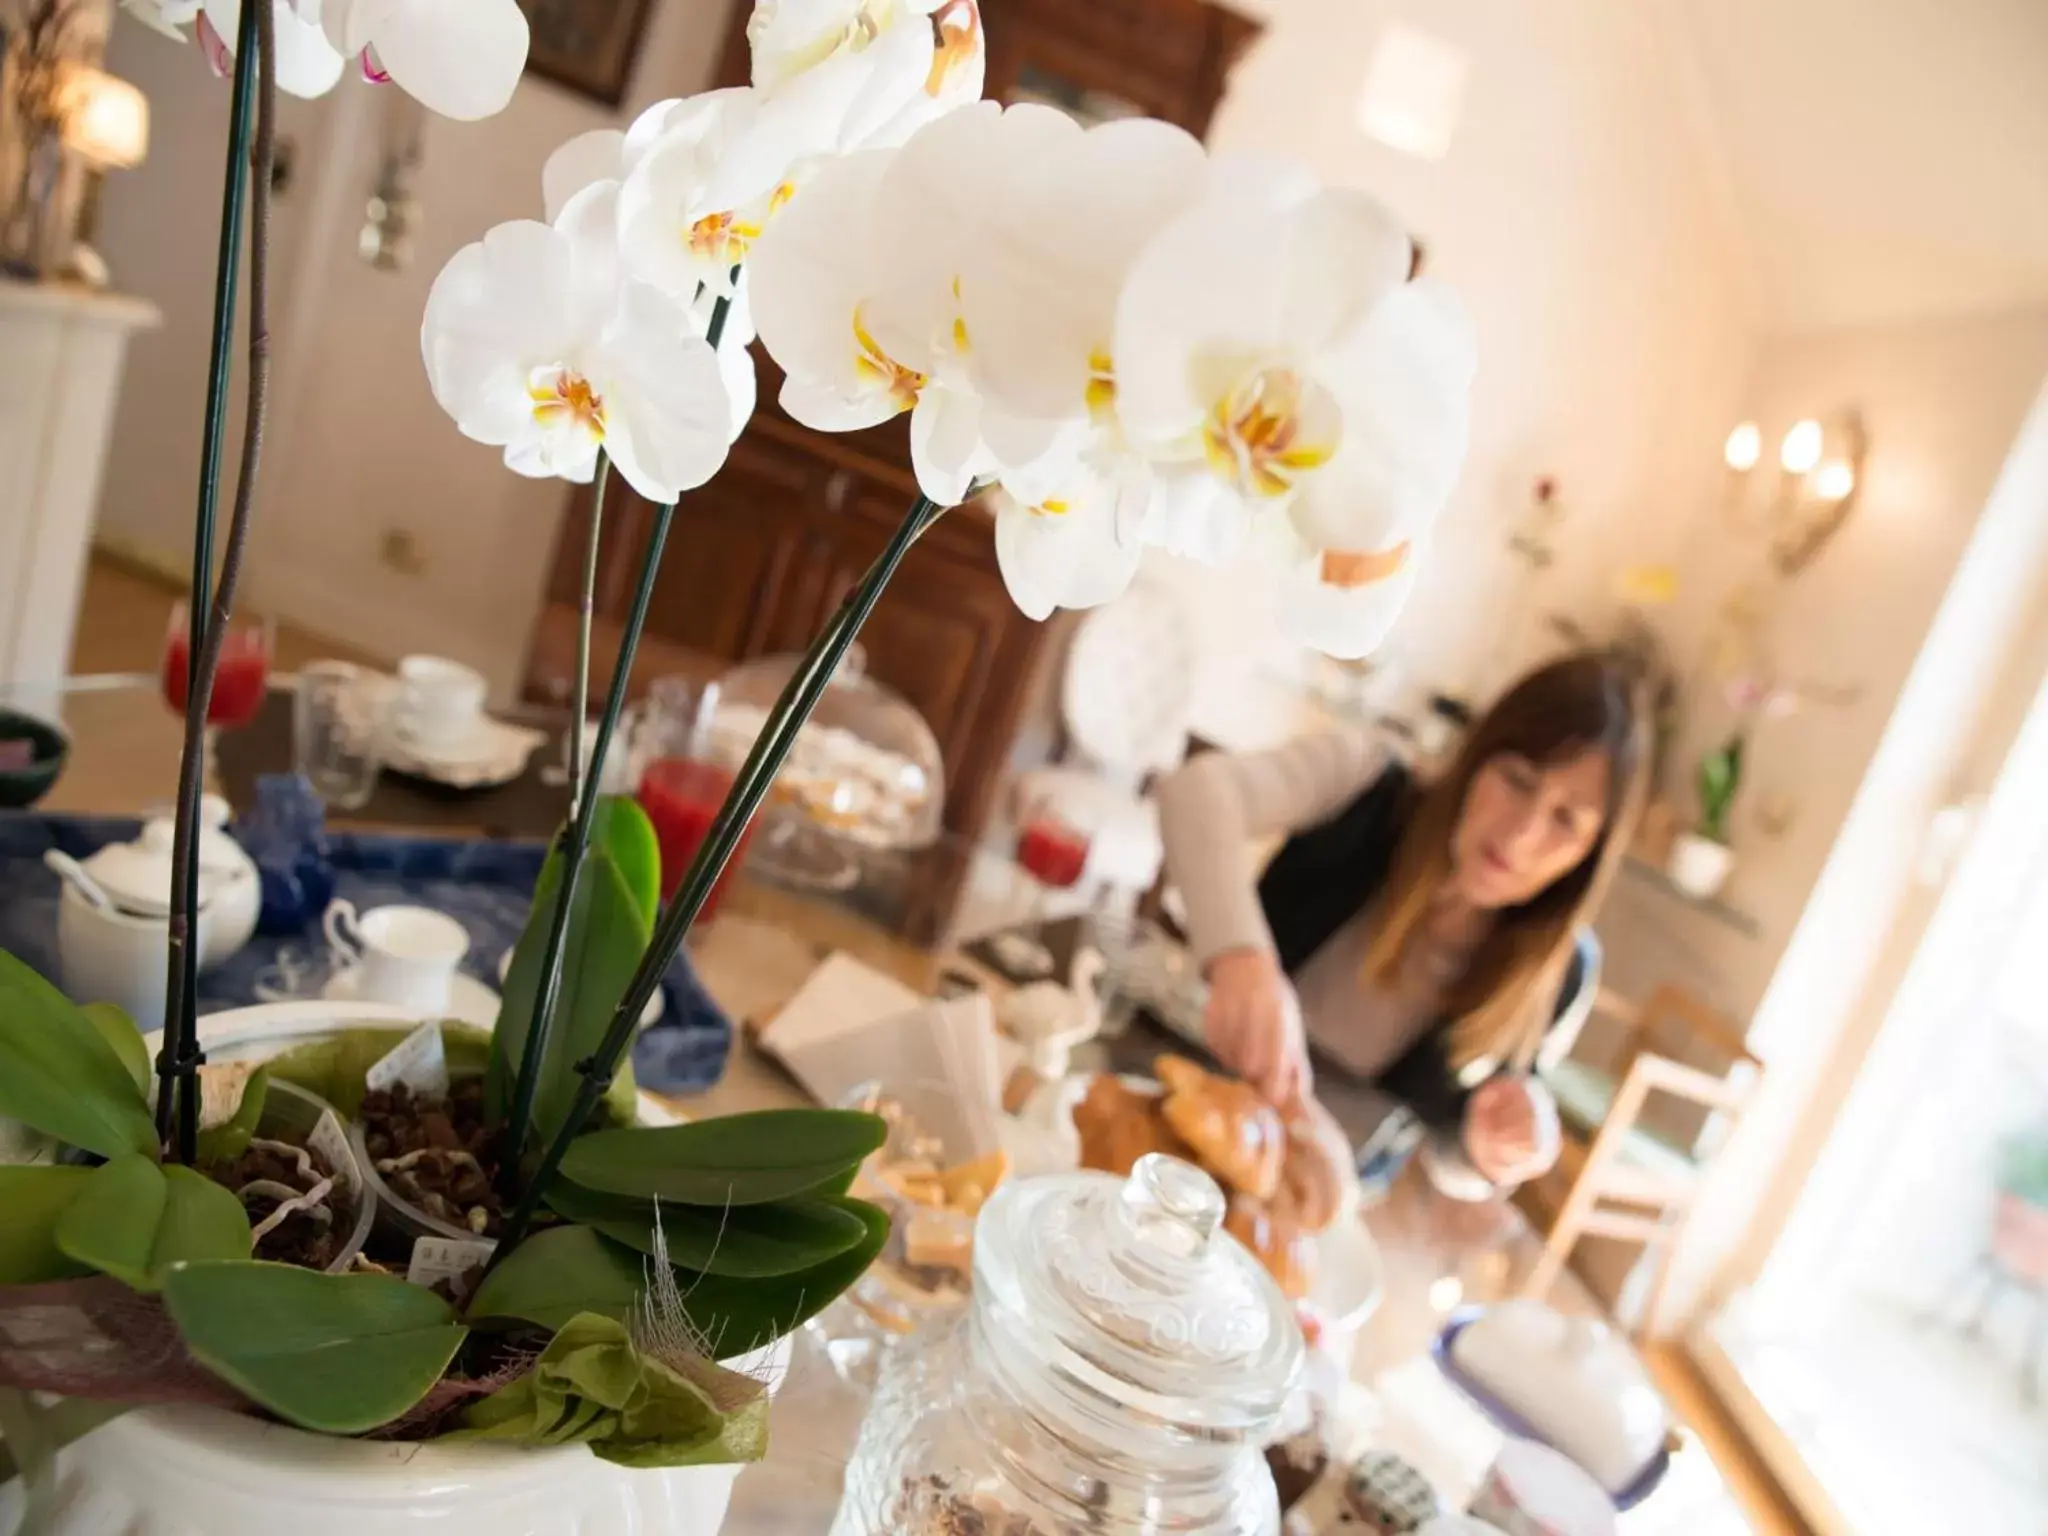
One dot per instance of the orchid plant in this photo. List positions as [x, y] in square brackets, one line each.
[1121, 342]
[1072, 320]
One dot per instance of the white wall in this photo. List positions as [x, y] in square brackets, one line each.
[1925, 598]
[1942, 402]
[357, 445]
[1577, 214]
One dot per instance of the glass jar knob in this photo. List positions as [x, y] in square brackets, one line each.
[1171, 1206]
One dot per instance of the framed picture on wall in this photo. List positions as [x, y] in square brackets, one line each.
[589, 46]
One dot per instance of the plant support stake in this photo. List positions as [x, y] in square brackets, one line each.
[579, 706]
[527, 1086]
[177, 1110]
[799, 698]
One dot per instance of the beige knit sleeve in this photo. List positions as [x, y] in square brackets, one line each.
[1217, 808]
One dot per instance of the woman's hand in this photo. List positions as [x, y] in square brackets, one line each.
[1253, 1024]
[1511, 1131]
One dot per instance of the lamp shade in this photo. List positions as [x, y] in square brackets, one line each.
[106, 120]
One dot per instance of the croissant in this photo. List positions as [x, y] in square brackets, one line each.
[1233, 1132]
[1286, 1251]
[1311, 1186]
[1118, 1126]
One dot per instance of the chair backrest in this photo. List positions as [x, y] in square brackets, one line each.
[1676, 1023]
[1130, 685]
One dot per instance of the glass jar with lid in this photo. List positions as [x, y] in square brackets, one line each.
[865, 772]
[1120, 1366]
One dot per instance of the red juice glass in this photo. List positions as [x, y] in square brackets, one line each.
[682, 797]
[1053, 852]
[241, 681]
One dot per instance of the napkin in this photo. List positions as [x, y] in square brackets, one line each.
[849, 1024]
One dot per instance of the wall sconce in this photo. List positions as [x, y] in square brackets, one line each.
[105, 123]
[1820, 470]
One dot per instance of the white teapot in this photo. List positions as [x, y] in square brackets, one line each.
[116, 950]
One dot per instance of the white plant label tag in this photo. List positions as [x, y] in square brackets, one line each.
[435, 1259]
[330, 1149]
[418, 1061]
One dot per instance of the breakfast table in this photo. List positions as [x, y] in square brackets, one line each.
[909, 918]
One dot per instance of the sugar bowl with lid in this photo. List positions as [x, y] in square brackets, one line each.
[1121, 1363]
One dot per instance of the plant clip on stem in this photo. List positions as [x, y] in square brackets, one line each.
[527, 1086]
[799, 698]
[253, 109]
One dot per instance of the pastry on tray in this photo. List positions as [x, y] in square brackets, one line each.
[1311, 1185]
[1233, 1132]
[1282, 1188]
[1286, 1251]
[1118, 1125]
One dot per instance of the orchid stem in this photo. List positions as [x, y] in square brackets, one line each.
[580, 699]
[179, 1058]
[799, 698]
[533, 1054]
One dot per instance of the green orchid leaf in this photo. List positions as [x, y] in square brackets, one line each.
[119, 1031]
[58, 1073]
[333, 1067]
[226, 1143]
[734, 1160]
[558, 1273]
[591, 1386]
[623, 831]
[608, 932]
[32, 1202]
[339, 1354]
[746, 1242]
[739, 1316]
[135, 1220]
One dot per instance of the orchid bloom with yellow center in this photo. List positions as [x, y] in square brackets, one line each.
[1299, 390]
[876, 368]
[536, 343]
[847, 75]
[563, 401]
[1259, 435]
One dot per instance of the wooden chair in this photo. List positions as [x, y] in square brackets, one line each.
[1642, 1169]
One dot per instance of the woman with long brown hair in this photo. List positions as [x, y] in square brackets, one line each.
[1422, 935]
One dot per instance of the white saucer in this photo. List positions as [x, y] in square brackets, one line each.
[469, 1000]
[488, 754]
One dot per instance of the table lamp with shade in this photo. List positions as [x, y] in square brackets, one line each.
[105, 123]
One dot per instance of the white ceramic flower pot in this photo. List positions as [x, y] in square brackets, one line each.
[203, 1472]
[1699, 866]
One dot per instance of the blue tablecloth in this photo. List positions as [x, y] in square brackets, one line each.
[486, 886]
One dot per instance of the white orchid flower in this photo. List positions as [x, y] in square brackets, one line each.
[1074, 210]
[536, 342]
[307, 64]
[1059, 519]
[461, 60]
[1345, 604]
[1270, 344]
[813, 277]
[847, 75]
[702, 178]
[600, 158]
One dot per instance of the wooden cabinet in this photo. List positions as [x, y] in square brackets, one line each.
[759, 558]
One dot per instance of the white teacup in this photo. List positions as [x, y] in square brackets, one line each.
[438, 701]
[405, 956]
